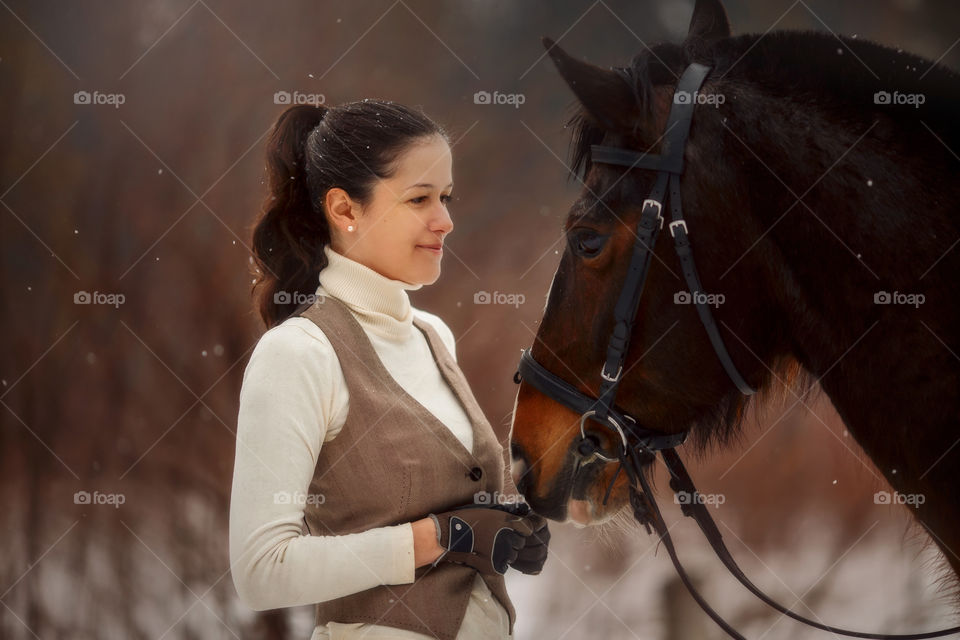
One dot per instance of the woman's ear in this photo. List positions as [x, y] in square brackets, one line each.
[342, 210]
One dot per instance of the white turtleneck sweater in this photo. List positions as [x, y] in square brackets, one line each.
[294, 398]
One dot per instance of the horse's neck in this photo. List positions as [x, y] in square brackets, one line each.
[856, 254]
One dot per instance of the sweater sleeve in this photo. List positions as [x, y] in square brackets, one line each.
[293, 392]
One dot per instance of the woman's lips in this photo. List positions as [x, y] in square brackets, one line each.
[436, 250]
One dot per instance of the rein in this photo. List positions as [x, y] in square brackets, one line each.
[639, 445]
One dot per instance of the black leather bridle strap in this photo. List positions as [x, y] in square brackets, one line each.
[668, 164]
[692, 506]
[559, 390]
[625, 312]
[646, 511]
[626, 157]
[681, 241]
[675, 136]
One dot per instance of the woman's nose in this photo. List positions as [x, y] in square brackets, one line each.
[442, 223]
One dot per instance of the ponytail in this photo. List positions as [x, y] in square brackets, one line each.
[288, 240]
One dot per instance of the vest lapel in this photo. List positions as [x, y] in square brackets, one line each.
[483, 434]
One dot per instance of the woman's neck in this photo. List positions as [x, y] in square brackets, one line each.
[380, 303]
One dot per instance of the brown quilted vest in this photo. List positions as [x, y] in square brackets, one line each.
[395, 462]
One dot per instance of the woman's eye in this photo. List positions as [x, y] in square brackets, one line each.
[588, 243]
[422, 199]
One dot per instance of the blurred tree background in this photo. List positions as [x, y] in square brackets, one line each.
[153, 199]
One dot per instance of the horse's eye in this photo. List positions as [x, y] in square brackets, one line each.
[587, 243]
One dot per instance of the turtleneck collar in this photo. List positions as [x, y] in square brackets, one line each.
[380, 303]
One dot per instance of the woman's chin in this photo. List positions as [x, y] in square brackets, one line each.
[425, 275]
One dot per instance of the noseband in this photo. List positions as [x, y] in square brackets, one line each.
[638, 445]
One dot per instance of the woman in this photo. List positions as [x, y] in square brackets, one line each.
[366, 478]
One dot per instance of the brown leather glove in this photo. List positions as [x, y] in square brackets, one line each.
[485, 538]
[531, 557]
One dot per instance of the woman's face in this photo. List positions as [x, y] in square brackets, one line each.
[400, 232]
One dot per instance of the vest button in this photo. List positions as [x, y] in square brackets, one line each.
[476, 473]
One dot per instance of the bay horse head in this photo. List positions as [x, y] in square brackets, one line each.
[801, 191]
[669, 376]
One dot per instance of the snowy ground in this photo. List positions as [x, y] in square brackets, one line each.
[878, 583]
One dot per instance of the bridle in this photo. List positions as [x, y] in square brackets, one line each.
[638, 444]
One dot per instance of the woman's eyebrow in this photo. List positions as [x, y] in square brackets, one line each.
[427, 185]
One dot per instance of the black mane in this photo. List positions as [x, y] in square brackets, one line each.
[804, 66]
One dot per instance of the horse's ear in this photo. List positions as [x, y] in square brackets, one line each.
[709, 21]
[604, 93]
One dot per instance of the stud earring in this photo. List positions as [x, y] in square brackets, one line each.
[350, 228]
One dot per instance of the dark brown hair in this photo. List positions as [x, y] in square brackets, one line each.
[311, 150]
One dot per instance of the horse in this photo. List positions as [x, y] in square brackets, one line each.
[821, 199]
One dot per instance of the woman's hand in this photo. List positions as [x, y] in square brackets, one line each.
[426, 549]
[485, 538]
[531, 557]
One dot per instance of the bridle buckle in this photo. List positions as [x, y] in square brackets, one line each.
[658, 205]
[678, 223]
[606, 376]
